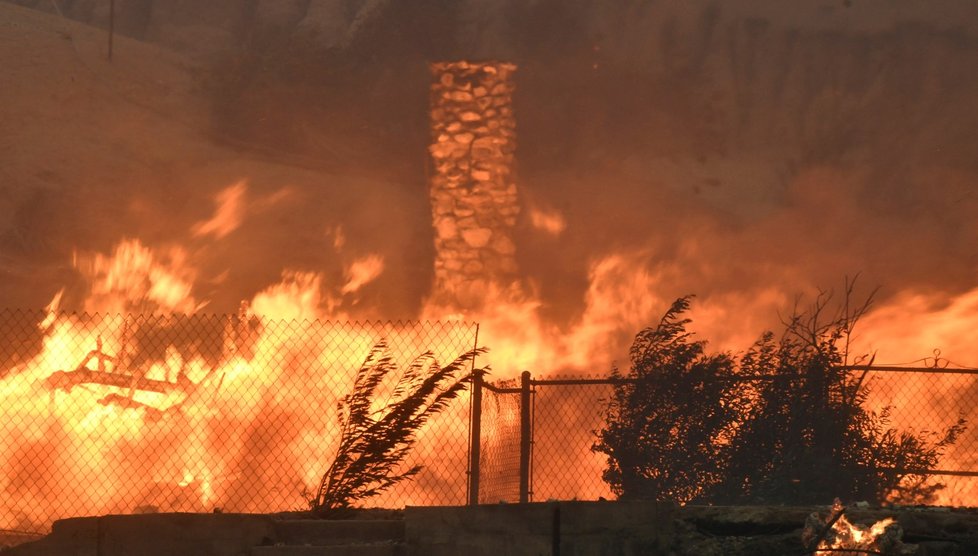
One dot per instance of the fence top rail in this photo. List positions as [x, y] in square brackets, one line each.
[501, 390]
[898, 369]
[579, 381]
[945, 472]
[735, 378]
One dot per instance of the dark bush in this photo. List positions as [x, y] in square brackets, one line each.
[785, 423]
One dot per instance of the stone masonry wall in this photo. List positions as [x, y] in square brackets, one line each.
[473, 193]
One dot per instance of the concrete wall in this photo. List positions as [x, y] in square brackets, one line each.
[539, 529]
[576, 528]
[153, 534]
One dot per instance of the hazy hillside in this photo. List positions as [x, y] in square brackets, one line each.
[728, 147]
[94, 152]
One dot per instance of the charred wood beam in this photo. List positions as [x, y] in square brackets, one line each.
[822, 528]
[100, 356]
[66, 380]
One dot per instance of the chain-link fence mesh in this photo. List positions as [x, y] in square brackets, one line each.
[565, 416]
[120, 414]
[929, 401]
[499, 461]
[566, 412]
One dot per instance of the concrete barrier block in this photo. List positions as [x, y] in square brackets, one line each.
[580, 528]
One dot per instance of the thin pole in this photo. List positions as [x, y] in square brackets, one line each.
[525, 431]
[111, 25]
[555, 532]
[475, 431]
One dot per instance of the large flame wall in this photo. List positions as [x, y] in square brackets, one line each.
[473, 194]
[120, 414]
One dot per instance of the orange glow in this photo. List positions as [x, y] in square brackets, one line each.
[844, 536]
[177, 434]
[549, 221]
[913, 325]
[228, 215]
[361, 272]
[135, 279]
[97, 443]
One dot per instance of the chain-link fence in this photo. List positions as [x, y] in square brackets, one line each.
[928, 400]
[564, 413]
[536, 438]
[121, 414]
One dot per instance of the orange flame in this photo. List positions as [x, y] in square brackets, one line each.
[134, 279]
[79, 435]
[228, 215]
[549, 221]
[361, 272]
[843, 536]
[181, 437]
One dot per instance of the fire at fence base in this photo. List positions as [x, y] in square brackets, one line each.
[104, 414]
[534, 439]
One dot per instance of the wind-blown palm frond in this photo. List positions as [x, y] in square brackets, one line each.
[374, 444]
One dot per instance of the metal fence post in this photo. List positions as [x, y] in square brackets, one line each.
[525, 433]
[475, 438]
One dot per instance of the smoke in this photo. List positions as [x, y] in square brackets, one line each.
[747, 153]
[747, 159]
[744, 153]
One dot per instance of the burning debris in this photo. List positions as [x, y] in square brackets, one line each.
[834, 534]
[474, 208]
[130, 406]
[132, 382]
[765, 530]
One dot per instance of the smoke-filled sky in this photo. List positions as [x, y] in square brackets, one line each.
[746, 152]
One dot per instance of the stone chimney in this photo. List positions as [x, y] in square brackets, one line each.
[474, 199]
